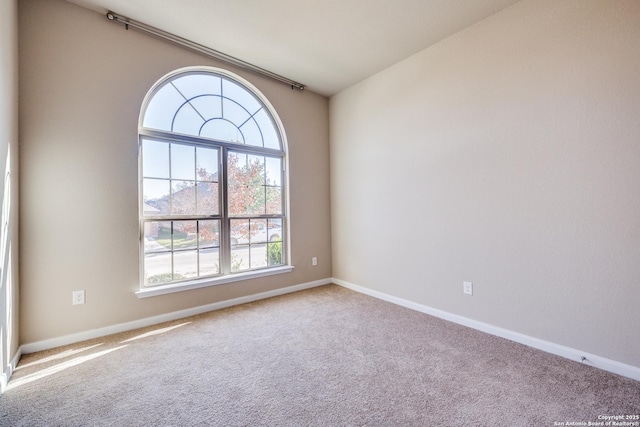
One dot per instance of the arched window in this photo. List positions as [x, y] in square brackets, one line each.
[212, 180]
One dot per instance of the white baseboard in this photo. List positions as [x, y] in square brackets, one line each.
[150, 321]
[603, 363]
[6, 375]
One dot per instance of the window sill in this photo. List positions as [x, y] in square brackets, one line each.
[203, 283]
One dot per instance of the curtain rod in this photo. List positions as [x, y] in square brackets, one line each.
[114, 17]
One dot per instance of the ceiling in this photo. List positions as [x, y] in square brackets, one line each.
[327, 45]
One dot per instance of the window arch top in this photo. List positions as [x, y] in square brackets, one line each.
[210, 105]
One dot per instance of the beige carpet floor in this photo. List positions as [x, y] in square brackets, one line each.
[322, 357]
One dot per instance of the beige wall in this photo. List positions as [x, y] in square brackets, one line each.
[507, 155]
[82, 83]
[9, 184]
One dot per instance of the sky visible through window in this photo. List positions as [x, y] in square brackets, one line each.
[212, 180]
[211, 107]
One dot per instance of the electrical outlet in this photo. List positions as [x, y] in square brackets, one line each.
[314, 261]
[467, 288]
[77, 297]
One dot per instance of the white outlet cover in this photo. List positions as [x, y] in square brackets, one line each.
[77, 297]
[467, 288]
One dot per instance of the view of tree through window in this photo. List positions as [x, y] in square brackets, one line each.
[212, 180]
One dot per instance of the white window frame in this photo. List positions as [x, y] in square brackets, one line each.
[225, 276]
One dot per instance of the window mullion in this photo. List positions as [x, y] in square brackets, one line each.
[225, 225]
[170, 187]
[173, 254]
[196, 181]
[197, 248]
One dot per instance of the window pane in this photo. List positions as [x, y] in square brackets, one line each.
[233, 112]
[191, 85]
[207, 164]
[269, 133]
[255, 173]
[239, 258]
[258, 230]
[184, 235]
[209, 233]
[155, 159]
[183, 197]
[245, 195]
[155, 193]
[239, 231]
[157, 268]
[237, 165]
[273, 171]
[251, 132]
[185, 265]
[246, 200]
[208, 198]
[209, 261]
[274, 231]
[221, 130]
[157, 236]
[274, 254]
[258, 256]
[236, 201]
[240, 95]
[162, 107]
[274, 200]
[256, 201]
[209, 106]
[183, 162]
[187, 120]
